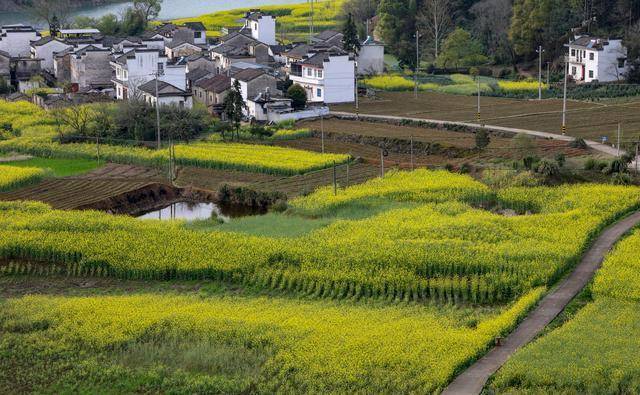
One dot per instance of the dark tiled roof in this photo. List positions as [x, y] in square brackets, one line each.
[255, 15]
[195, 75]
[164, 89]
[247, 75]
[590, 42]
[218, 84]
[299, 51]
[42, 41]
[177, 43]
[327, 35]
[197, 26]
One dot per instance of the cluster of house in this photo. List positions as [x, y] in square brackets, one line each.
[177, 64]
[597, 59]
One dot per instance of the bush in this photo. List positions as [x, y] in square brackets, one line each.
[482, 139]
[594, 164]
[530, 162]
[579, 143]
[561, 159]
[548, 168]
[260, 131]
[298, 96]
[621, 179]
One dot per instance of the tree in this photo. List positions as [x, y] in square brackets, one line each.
[491, 25]
[149, 9]
[234, 106]
[397, 28]
[461, 50]
[54, 13]
[632, 42]
[350, 41]
[482, 139]
[78, 118]
[362, 11]
[133, 22]
[109, 25]
[298, 96]
[434, 19]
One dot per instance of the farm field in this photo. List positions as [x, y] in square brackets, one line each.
[595, 350]
[59, 167]
[584, 119]
[313, 303]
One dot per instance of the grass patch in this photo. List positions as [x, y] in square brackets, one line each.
[60, 167]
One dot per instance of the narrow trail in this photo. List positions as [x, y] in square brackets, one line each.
[473, 379]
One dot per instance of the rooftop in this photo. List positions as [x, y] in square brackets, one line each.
[219, 83]
[164, 89]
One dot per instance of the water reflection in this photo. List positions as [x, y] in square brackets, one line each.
[196, 211]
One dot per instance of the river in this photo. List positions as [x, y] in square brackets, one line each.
[171, 9]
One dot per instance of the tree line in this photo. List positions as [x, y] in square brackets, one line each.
[508, 31]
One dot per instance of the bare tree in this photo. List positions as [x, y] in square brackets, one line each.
[49, 11]
[491, 23]
[77, 118]
[434, 20]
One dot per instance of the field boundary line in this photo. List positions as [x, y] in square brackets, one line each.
[603, 148]
[473, 379]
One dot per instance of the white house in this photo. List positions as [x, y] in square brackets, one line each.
[16, 40]
[89, 67]
[597, 59]
[45, 48]
[327, 77]
[262, 27]
[139, 66]
[167, 94]
[370, 57]
[264, 107]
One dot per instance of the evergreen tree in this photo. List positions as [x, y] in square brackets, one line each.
[350, 41]
[461, 50]
[298, 96]
[396, 26]
[234, 106]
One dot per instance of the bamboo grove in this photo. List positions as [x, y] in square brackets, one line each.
[435, 248]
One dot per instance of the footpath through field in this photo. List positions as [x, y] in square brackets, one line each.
[473, 379]
[606, 149]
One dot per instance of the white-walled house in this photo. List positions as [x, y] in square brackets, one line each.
[327, 77]
[139, 66]
[261, 26]
[254, 81]
[167, 94]
[370, 59]
[89, 67]
[16, 40]
[45, 48]
[597, 59]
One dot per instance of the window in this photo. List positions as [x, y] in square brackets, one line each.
[319, 73]
[160, 66]
[319, 92]
[620, 63]
[197, 34]
[590, 73]
[591, 56]
[309, 72]
[573, 70]
[573, 52]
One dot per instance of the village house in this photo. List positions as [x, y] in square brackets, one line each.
[201, 60]
[23, 73]
[168, 94]
[370, 59]
[16, 40]
[267, 108]
[191, 32]
[212, 92]
[178, 49]
[254, 81]
[262, 27]
[139, 66]
[597, 59]
[90, 67]
[45, 49]
[195, 75]
[327, 77]
[239, 47]
[5, 66]
[62, 65]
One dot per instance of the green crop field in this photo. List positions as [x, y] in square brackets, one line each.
[59, 167]
[597, 350]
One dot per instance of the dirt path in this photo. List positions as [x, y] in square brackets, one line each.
[472, 380]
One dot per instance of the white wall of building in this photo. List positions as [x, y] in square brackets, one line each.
[264, 29]
[179, 101]
[588, 65]
[46, 52]
[371, 60]
[336, 83]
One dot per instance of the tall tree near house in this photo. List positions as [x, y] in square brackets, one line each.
[434, 20]
[632, 42]
[461, 50]
[362, 11]
[397, 28]
[350, 40]
[234, 106]
[54, 13]
[298, 96]
[149, 9]
[491, 22]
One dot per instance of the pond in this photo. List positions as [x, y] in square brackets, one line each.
[191, 211]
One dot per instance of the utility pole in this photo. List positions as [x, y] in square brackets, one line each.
[322, 131]
[412, 152]
[382, 163]
[564, 96]
[311, 22]
[158, 73]
[618, 145]
[415, 74]
[478, 110]
[548, 73]
[357, 103]
[539, 51]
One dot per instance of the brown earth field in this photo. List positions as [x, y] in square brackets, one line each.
[584, 119]
[499, 147]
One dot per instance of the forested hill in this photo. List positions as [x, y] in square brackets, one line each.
[18, 5]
